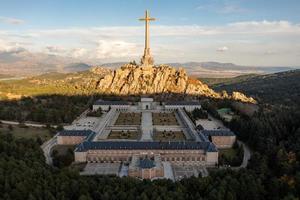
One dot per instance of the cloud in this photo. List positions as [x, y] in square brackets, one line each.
[222, 49]
[115, 49]
[9, 20]
[78, 52]
[10, 47]
[55, 49]
[247, 41]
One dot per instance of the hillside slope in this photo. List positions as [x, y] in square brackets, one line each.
[279, 88]
[124, 81]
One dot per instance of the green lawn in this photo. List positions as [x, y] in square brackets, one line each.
[29, 132]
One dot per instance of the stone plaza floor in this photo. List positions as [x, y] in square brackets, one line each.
[181, 172]
[210, 123]
[101, 169]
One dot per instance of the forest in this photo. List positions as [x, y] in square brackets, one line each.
[273, 171]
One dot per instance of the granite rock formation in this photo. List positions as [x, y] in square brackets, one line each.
[137, 80]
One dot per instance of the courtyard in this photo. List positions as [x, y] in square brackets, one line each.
[124, 134]
[164, 119]
[169, 136]
[132, 118]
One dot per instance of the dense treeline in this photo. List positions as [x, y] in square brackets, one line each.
[45, 109]
[280, 88]
[24, 175]
[274, 135]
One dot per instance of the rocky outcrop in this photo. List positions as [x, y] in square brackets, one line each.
[137, 80]
[237, 96]
[100, 70]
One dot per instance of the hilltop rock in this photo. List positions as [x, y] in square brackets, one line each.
[135, 80]
[238, 96]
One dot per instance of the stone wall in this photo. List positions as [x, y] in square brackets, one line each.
[186, 157]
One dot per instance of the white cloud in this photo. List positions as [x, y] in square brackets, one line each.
[78, 52]
[10, 47]
[55, 49]
[246, 40]
[115, 49]
[222, 49]
[9, 20]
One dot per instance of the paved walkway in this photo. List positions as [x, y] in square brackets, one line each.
[168, 171]
[147, 128]
[101, 169]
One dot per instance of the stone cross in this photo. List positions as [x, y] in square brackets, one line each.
[147, 59]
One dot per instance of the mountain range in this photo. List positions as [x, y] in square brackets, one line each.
[24, 63]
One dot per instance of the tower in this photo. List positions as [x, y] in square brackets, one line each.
[147, 59]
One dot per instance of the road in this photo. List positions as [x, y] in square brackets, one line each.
[47, 146]
[26, 123]
[247, 155]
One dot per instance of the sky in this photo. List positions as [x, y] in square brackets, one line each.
[244, 32]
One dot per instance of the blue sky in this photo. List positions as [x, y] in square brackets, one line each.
[248, 32]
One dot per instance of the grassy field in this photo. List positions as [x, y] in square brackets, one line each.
[169, 136]
[131, 135]
[28, 132]
[129, 119]
[164, 119]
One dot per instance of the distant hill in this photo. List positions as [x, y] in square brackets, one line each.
[279, 88]
[225, 70]
[4, 76]
[24, 63]
[213, 82]
[76, 67]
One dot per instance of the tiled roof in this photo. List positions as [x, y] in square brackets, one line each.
[75, 132]
[183, 103]
[219, 132]
[146, 163]
[143, 145]
[101, 102]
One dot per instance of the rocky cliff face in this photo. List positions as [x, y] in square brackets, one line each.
[136, 80]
